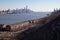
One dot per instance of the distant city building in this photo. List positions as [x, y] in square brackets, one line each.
[14, 11]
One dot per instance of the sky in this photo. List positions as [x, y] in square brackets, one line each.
[35, 5]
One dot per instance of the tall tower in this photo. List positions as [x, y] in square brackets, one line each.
[26, 7]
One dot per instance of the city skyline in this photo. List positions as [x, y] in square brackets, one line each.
[35, 5]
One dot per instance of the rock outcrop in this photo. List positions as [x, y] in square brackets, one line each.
[4, 27]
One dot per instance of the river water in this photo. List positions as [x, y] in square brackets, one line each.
[16, 18]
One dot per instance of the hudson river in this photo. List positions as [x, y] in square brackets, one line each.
[16, 18]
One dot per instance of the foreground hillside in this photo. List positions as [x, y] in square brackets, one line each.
[46, 29]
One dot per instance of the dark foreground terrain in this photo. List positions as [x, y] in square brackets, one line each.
[48, 31]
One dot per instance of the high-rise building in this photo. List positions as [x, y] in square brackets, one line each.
[26, 7]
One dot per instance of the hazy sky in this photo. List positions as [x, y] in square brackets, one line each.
[36, 5]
